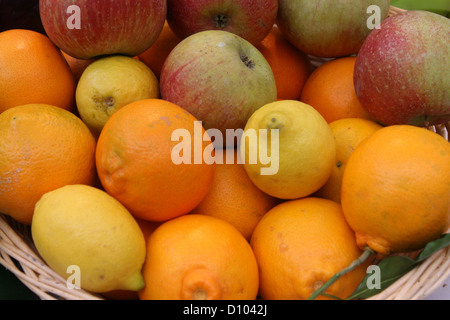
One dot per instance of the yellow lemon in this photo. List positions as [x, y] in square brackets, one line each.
[288, 149]
[348, 133]
[83, 233]
[110, 83]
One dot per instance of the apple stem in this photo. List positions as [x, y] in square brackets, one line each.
[221, 21]
[427, 121]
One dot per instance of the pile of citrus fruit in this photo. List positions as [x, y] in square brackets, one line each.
[86, 160]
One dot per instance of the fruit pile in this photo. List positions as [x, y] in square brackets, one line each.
[194, 150]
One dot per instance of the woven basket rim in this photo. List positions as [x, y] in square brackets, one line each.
[19, 256]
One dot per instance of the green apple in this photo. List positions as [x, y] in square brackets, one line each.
[330, 28]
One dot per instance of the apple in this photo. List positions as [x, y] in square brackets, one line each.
[329, 28]
[86, 29]
[249, 19]
[402, 70]
[220, 78]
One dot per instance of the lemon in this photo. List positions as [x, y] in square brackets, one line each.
[302, 150]
[110, 83]
[79, 227]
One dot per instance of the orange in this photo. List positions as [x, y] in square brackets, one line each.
[147, 227]
[233, 197]
[348, 133]
[77, 66]
[42, 148]
[155, 56]
[198, 257]
[299, 245]
[33, 70]
[135, 159]
[290, 66]
[330, 90]
[396, 189]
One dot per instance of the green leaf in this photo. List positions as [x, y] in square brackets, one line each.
[437, 6]
[390, 270]
[393, 268]
[434, 246]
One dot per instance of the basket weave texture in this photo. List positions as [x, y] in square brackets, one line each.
[18, 255]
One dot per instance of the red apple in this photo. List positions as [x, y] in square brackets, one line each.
[86, 29]
[402, 70]
[249, 19]
[220, 78]
[329, 28]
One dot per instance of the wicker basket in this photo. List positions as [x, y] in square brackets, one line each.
[18, 255]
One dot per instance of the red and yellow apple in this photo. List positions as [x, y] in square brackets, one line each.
[218, 77]
[402, 70]
[85, 29]
[249, 19]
